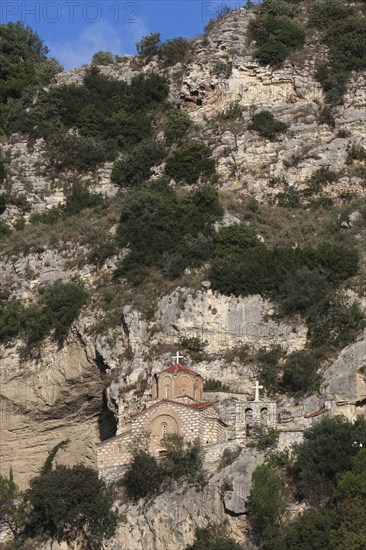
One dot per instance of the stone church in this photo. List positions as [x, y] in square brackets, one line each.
[177, 407]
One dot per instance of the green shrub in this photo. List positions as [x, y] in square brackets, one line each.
[213, 538]
[36, 325]
[290, 198]
[233, 112]
[268, 506]
[135, 167]
[69, 504]
[276, 38]
[198, 248]
[255, 270]
[346, 40]
[177, 127]
[81, 153]
[269, 368]
[190, 163]
[277, 8]
[163, 230]
[300, 373]
[321, 177]
[327, 452]
[302, 290]
[335, 323]
[103, 58]
[192, 343]
[173, 51]
[48, 217]
[59, 307]
[222, 69]
[84, 125]
[146, 477]
[143, 478]
[215, 385]
[4, 228]
[355, 152]
[249, 267]
[336, 261]
[10, 320]
[317, 522]
[334, 82]
[9, 493]
[23, 61]
[326, 116]
[235, 237]
[148, 46]
[325, 12]
[79, 197]
[266, 125]
[63, 302]
[267, 439]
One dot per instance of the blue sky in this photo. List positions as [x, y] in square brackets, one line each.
[75, 29]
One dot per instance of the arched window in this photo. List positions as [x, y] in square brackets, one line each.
[195, 393]
[248, 422]
[164, 429]
[167, 392]
[184, 389]
[264, 417]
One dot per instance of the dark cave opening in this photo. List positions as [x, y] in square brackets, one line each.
[107, 423]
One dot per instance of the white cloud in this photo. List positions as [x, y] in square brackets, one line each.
[102, 35]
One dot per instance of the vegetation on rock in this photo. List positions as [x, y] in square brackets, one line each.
[146, 477]
[70, 504]
[327, 470]
[59, 306]
[214, 538]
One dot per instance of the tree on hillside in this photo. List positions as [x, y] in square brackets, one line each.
[23, 60]
[70, 504]
[327, 452]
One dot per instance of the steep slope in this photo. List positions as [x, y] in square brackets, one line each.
[87, 388]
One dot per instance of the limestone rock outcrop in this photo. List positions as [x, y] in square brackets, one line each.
[345, 381]
[169, 521]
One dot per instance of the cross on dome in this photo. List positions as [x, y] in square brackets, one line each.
[177, 357]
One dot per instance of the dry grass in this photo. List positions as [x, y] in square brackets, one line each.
[88, 228]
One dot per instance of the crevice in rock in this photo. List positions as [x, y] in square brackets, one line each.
[101, 364]
[361, 403]
[125, 326]
[107, 423]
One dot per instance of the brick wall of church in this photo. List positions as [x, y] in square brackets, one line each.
[114, 451]
[191, 424]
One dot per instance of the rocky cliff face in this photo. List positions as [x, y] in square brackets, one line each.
[169, 522]
[90, 387]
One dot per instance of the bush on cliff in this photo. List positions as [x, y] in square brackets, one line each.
[276, 38]
[266, 125]
[213, 538]
[70, 504]
[189, 163]
[164, 230]
[59, 306]
[146, 477]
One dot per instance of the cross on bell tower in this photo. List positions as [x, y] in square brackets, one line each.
[257, 387]
[177, 357]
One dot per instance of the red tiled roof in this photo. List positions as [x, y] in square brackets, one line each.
[175, 369]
